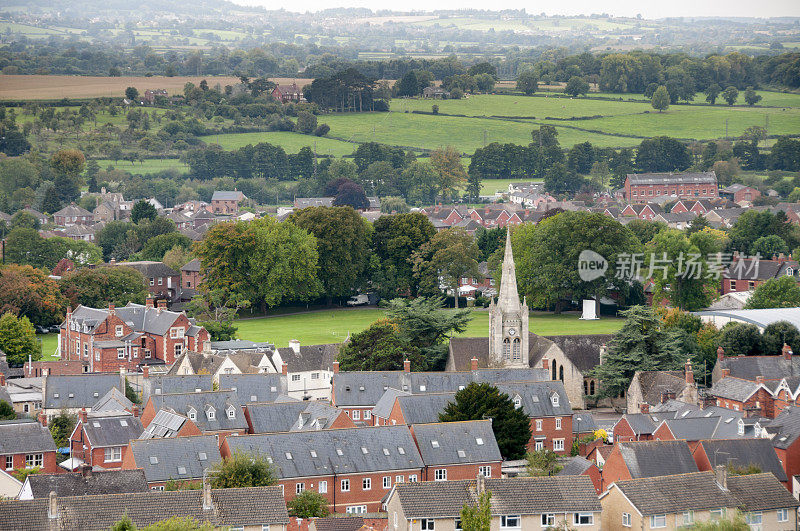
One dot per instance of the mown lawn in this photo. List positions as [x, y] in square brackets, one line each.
[146, 166]
[291, 142]
[490, 186]
[49, 345]
[333, 326]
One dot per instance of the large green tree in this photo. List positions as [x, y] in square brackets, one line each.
[640, 345]
[449, 256]
[661, 154]
[155, 248]
[753, 224]
[782, 292]
[18, 339]
[479, 401]
[216, 309]
[265, 261]
[379, 348]
[546, 256]
[395, 239]
[100, 286]
[343, 241]
[660, 99]
[778, 333]
[143, 210]
[243, 470]
[29, 292]
[741, 339]
[308, 504]
[478, 517]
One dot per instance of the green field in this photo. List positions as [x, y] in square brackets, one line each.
[146, 166]
[291, 142]
[49, 345]
[333, 326]
[490, 186]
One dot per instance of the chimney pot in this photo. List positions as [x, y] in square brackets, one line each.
[285, 368]
[82, 415]
[135, 410]
[42, 418]
[726, 372]
[3, 379]
[787, 352]
[644, 407]
[335, 367]
[52, 510]
[111, 308]
[294, 344]
[688, 373]
[473, 364]
[148, 303]
[720, 354]
[406, 365]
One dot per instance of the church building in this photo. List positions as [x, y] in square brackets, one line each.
[508, 319]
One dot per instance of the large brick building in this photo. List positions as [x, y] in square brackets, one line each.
[114, 338]
[644, 187]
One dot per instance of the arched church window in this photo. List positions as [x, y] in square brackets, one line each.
[561, 373]
[554, 371]
[506, 349]
[585, 388]
[517, 350]
[591, 387]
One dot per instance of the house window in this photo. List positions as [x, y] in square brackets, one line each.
[9, 462]
[554, 399]
[517, 402]
[783, 515]
[688, 517]
[135, 352]
[366, 484]
[231, 413]
[658, 521]
[753, 518]
[264, 527]
[486, 471]
[510, 522]
[626, 519]
[160, 281]
[457, 524]
[558, 423]
[539, 445]
[113, 454]
[367, 415]
[427, 524]
[387, 482]
[538, 424]
[178, 349]
[412, 478]
[398, 479]
[548, 520]
[506, 349]
[558, 445]
[583, 519]
[295, 377]
[315, 376]
[34, 460]
[440, 474]
[345, 485]
[211, 414]
[152, 282]
[192, 414]
[118, 330]
[299, 488]
[322, 487]
[176, 333]
[356, 414]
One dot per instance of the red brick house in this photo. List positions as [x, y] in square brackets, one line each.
[492, 218]
[72, 215]
[646, 459]
[190, 275]
[178, 459]
[746, 274]
[748, 396]
[226, 203]
[643, 187]
[274, 417]
[642, 211]
[105, 339]
[24, 443]
[167, 423]
[447, 216]
[580, 466]
[457, 450]
[354, 469]
[44, 368]
[738, 192]
[288, 93]
[633, 427]
[101, 438]
[150, 95]
[217, 413]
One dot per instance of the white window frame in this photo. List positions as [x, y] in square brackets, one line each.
[113, 454]
[367, 415]
[356, 414]
[412, 478]
[322, 487]
[576, 518]
[558, 423]
[510, 521]
[299, 488]
[356, 509]
[783, 515]
[548, 519]
[295, 377]
[688, 517]
[427, 524]
[119, 330]
[658, 521]
[538, 424]
[440, 474]
[34, 460]
[345, 485]
[121, 353]
[366, 484]
[558, 445]
[486, 470]
[387, 482]
[754, 518]
[9, 462]
[626, 519]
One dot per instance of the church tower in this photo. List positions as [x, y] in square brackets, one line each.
[508, 319]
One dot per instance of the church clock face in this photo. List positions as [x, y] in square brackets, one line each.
[512, 332]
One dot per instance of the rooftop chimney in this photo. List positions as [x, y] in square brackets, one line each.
[111, 308]
[473, 364]
[162, 305]
[688, 374]
[787, 352]
[285, 368]
[82, 415]
[644, 407]
[135, 410]
[42, 418]
[406, 365]
[146, 371]
[86, 470]
[294, 344]
[721, 471]
[720, 354]
[335, 367]
[759, 379]
[3, 378]
[208, 504]
[545, 364]
[480, 486]
[52, 508]
[148, 302]
[726, 372]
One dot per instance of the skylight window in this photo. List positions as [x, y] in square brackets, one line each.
[462, 453]
[153, 460]
[55, 395]
[385, 451]
[364, 450]
[123, 423]
[202, 456]
[435, 443]
[339, 452]
[253, 398]
[289, 455]
[314, 453]
[96, 424]
[361, 388]
[274, 389]
[181, 470]
[479, 441]
[71, 395]
[422, 388]
[96, 395]
[401, 450]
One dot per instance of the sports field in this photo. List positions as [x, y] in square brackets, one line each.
[49, 345]
[333, 326]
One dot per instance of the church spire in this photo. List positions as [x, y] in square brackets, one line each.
[508, 299]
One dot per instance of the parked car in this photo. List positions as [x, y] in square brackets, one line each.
[55, 329]
[42, 330]
[358, 300]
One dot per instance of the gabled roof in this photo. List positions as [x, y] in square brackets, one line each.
[785, 428]
[671, 494]
[75, 391]
[172, 384]
[760, 492]
[221, 195]
[576, 466]
[192, 266]
[640, 424]
[745, 452]
[111, 429]
[262, 387]
[73, 210]
[734, 388]
[383, 408]
[175, 458]
[337, 451]
[708, 177]
[291, 416]
[24, 436]
[534, 495]
[452, 443]
[657, 458]
[694, 428]
[310, 357]
[202, 403]
[770, 367]
[149, 269]
[98, 482]
[539, 399]
[113, 400]
[348, 523]
[423, 409]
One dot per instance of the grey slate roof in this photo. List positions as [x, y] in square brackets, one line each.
[310, 357]
[582, 350]
[450, 443]
[292, 456]
[75, 391]
[640, 424]
[171, 384]
[262, 387]
[537, 398]
[254, 506]
[785, 427]
[693, 428]
[733, 388]
[76, 484]
[770, 367]
[535, 495]
[201, 403]
[222, 195]
[655, 383]
[111, 429]
[422, 409]
[193, 265]
[744, 452]
[291, 416]
[760, 492]
[657, 458]
[148, 319]
[576, 466]
[583, 422]
[113, 400]
[671, 494]
[708, 177]
[24, 436]
[161, 458]
[383, 408]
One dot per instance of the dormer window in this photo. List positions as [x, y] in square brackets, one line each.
[554, 400]
[789, 272]
[422, 388]
[741, 427]
[231, 412]
[517, 402]
[192, 413]
[211, 413]
[118, 330]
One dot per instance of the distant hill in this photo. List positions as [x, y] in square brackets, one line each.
[82, 9]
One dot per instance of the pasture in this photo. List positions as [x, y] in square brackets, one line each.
[490, 186]
[146, 166]
[333, 326]
[291, 142]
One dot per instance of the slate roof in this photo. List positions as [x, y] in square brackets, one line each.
[24, 436]
[310, 357]
[708, 177]
[770, 367]
[582, 350]
[201, 403]
[161, 458]
[75, 391]
[451, 443]
[423, 409]
[252, 506]
[671, 494]
[693, 428]
[537, 398]
[166, 423]
[291, 416]
[654, 383]
[640, 424]
[534, 495]
[199, 362]
[292, 456]
[744, 452]
[76, 484]
[785, 427]
[171, 384]
[192, 266]
[576, 466]
[383, 408]
[262, 387]
[657, 458]
[734, 388]
[583, 422]
[760, 492]
[222, 195]
[113, 400]
[111, 429]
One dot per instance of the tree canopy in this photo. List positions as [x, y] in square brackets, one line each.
[243, 470]
[782, 292]
[100, 286]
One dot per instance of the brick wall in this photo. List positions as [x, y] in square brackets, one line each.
[549, 432]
